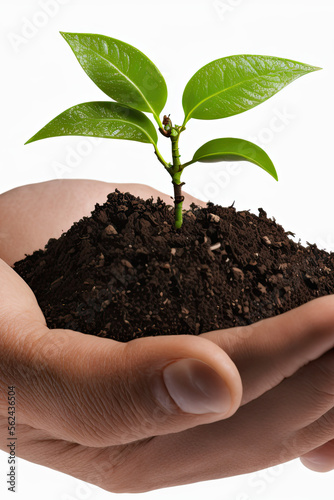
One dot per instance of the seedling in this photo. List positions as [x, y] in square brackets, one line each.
[224, 87]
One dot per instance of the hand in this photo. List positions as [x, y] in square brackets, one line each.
[100, 410]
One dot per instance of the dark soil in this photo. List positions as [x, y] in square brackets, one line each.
[125, 272]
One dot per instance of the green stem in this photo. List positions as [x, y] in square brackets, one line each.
[175, 152]
[177, 184]
[157, 119]
[183, 126]
[178, 201]
[174, 169]
[160, 158]
[184, 165]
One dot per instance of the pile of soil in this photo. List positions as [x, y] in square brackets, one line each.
[125, 272]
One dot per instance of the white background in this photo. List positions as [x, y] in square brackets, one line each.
[41, 78]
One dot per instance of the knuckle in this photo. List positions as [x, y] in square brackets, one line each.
[129, 413]
[114, 468]
[322, 377]
[112, 404]
[324, 425]
[318, 433]
[321, 312]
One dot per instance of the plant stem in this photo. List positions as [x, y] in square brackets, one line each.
[175, 152]
[178, 202]
[160, 158]
[183, 126]
[175, 169]
[157, 119]
[184, 165]
[176, 176]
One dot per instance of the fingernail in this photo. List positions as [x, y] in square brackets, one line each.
[196, 387]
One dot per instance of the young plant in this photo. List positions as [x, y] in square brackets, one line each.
[224, 87]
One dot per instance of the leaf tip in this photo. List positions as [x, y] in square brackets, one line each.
[64, 34]
[314, 68]
[34, 138]
[274, 175]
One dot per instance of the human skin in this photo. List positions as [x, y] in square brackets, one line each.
[100, 410]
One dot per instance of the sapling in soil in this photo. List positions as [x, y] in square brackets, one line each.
[222, 88]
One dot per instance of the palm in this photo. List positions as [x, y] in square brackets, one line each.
[274, 424]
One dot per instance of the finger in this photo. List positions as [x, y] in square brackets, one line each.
[268, 351]
[97, 391]
[32, 214]
[321, 459]
[289, 421]
[286, 422]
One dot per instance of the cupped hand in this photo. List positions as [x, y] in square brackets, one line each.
[156, 411]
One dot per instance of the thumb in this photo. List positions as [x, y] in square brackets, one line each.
[99, 392]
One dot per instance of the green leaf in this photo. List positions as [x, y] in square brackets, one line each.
[234, 84]
[123, 72]
[231, 149]
[101, 119]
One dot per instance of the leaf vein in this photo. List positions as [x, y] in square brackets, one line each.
[123, 74]
[211, 96]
